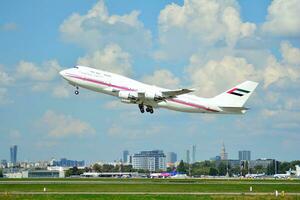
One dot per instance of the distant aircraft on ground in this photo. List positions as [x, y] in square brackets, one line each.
[255, 175]
[286, 175]
[134, 92]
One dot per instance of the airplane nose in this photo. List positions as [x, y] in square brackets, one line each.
[62, 73]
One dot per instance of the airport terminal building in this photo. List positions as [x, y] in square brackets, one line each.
[149, 160]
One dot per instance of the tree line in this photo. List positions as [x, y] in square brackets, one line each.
[208, 168]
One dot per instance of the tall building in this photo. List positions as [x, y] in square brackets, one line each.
[125, 156]
[245, 155]
[188, 156]
[13, 154]
[149, 160]
[171, 157]
[193, 153]
[223, 154]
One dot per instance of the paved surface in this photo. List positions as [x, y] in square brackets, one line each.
[147, 193]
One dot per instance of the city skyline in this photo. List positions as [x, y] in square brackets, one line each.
[210, 50]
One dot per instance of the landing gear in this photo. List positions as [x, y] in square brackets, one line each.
[141, 107]
[77, 90]
[148, 108]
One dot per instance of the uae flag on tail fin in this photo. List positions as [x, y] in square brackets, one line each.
[238, 92]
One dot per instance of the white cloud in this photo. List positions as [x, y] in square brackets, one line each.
[60, 125]
[276, 72]
[61, 91]
[291, 55]
[3, 97]
[46, 72]
[97, 28]
[10, 26]
[218, 75]
[111, 58]
[162, 78]
[15, 135]
[5, 79]
[200, 23]
[283, 18]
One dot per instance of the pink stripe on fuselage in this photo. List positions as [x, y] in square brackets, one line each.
[129, 89]
[192, 105]
[101, 83]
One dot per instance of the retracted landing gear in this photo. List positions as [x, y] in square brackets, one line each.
[77, 90]
[141, 107]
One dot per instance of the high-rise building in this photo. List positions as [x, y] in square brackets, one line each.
[149, 160]
[125, 156]
[13, 154]
[171, 157]
[129, 159]
[193, 153]
[223, 154]
[188, 156]
[245, 155]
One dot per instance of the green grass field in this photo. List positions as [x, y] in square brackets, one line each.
[10, 186]
[142, 197]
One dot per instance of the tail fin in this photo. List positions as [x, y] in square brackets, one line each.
[237, 96]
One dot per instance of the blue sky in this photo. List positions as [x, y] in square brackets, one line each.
[207, 45]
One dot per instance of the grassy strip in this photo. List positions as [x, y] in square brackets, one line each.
[150, 187]
[141, 197]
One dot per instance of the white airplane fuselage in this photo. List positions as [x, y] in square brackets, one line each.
[126, 88]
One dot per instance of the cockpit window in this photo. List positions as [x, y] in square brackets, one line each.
[76, 67]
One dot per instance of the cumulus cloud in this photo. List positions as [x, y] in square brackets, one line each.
[112, 58]
[5, 79]
[42, 77]
[218, 75]
[4, 97]
[10, 26]
[60, 125]
[283, 18]
[162, 78]
[283, 72]
[200, 23]
[278, 73]
[97, 28]
[45, 72]
[291, 55]
[61, 91]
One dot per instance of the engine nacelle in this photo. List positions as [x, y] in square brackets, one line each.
[128, 95]
[153, 96]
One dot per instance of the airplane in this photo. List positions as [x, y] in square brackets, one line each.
[148, 97]
[286, 175]
[255, 175]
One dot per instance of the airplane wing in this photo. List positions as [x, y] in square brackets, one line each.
[174, 93]
[164, 94]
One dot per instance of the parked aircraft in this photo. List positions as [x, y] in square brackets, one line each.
[148, 97]
[255, 175]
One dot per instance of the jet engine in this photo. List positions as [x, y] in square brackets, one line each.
[154, 96]
[129, 95]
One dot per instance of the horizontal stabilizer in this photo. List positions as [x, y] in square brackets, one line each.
[237, 110]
